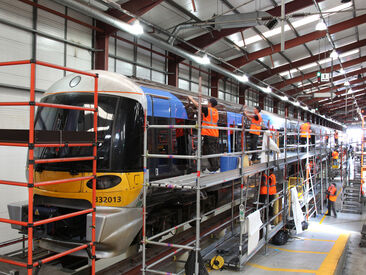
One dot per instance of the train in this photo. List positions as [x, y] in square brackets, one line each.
[123, 103]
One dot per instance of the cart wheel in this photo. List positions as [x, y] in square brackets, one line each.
[217, 262]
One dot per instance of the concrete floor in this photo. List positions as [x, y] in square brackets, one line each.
[329, 246]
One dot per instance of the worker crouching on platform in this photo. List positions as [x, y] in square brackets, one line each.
[305, 130]
[254, 133]
[210, 117]
[332, 197]
[268, 186]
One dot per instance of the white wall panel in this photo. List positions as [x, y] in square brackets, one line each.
[12, 159]
[52, 52]
[17, 12]
[142, 72]
[14, 45]
[51, 23]
[78, 33]
[183, 84]
[78, 58]
[124, 68]
[125, 50]
[111, 67]
[158, 77]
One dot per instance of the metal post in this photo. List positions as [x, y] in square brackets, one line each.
[285, 187]
[31, 168]
[198, 188]
[95, 151]
[144, 193]
[321, 174]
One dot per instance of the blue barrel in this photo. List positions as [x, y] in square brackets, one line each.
[228, 163]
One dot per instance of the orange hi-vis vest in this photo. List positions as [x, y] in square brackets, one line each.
[336, 135]
[264, 184]
[256, 125]
[332, 190]
[305, 130]
[272, 185]
[210, 120]
[335, 155]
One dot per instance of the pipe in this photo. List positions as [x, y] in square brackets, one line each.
[110, 20]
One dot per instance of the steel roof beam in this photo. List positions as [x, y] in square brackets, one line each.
[339, 77]
[240, 61]
[308, 60]
[282, 84]
[136, 7]
[209, 38]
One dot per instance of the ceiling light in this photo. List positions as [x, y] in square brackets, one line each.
[321, 26]
[268, 90]
[350, 91]
[334, 54]
[204, 60]
[347, 83]
[285, 98]
[243, 78]
[136, 28]
[341, 71]
[296, 103]
[306, 108]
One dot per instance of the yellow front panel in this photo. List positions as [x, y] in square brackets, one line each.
[120, 195]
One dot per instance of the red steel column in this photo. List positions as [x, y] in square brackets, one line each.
[242, 89]
[173, 70]
[101, 57]
[214, 84]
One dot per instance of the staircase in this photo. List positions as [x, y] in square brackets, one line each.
[351, 199]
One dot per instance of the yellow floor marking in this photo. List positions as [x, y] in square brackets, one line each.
[282, 269]
[329, 264]
[319, 240]
[297, 251]
[323, 217]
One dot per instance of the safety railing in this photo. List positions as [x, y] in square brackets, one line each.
[30, 224]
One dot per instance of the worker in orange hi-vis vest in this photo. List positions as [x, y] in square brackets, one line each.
[210, 117]
[268, 185]
[335, 156]
[255, 130]
[336, 137]
[305, 130]
[332, 197]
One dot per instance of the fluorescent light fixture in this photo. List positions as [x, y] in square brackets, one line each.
[243, 78]
[341, 71]
[347, 83]
[136, 28]
[321, 26]
[204, 60]
[298, 23]
[334, 54]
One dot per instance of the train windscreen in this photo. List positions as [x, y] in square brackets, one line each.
[120, 132]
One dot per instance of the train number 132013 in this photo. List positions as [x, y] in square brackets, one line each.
[103, 199]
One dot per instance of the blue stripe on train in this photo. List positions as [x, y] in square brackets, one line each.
[171, 107]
